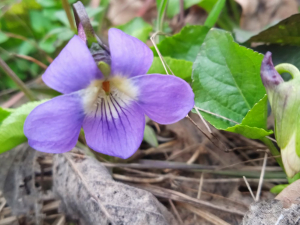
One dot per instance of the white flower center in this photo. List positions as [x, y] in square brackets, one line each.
[108, 97]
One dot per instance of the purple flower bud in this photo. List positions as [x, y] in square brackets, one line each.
[284, 98]
[269, 76]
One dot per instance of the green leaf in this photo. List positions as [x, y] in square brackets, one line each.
[26, 48]
[3, 37]
[214, 13]
[39, 22]
[93, 11]
[255, 122]
[161, 10]
[150, 137]
[4, 113]
[137, 28]
[184, 45]
[278, 188]
[174, 8]
[48, 3]
[61, 16]
[294, 178]
[207, 4]
[285, 32]
[11, 129]
[181, 68]
[227, 83]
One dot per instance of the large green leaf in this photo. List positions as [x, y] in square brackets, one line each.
[255, 122]
[11, 129]
[137, 28]
[285, 32]
[4, 113]
[184, 45]
[227, 83]
[181, 68]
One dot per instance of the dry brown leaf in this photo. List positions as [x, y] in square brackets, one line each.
[257, 14]
[290, 195]
[88, 193]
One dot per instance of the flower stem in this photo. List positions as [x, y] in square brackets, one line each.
[274, 151]
[288, 68]
[17, 80]
[69, 14]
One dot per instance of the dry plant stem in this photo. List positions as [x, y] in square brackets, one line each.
[205, 215]
[176, 212]
[181, 14]
[67, 9]
[249, 188]
[261, 179]
[274, 151]
[87, 186]
[180, 197]
[17, 80]
[31, 59]
[200, 186]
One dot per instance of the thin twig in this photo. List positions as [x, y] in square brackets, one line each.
[249, 188]
[200, 187]
[139, 179]
[158, 52]
[31, 59]
[205, 215]
[176, 212]
[178, 196]
[217, 115]
[261, 179]
[17, 80]
[204, 122]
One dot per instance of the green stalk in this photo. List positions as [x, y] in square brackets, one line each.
[214, 13]
[17, 80]
[67, 9]
[161, 11]
[274, 151]
[288, 68]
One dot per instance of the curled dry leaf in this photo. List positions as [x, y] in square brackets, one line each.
[290, 195]
[88, 192]
[17, 180]
[257, 14]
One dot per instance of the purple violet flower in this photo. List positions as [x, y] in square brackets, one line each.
[110, 103]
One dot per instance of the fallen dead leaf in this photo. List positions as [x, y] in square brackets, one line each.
[290, 195]
[257, 14]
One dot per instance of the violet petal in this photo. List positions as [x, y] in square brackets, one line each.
[164, 99]
[54, 126]
[114, 130]
[129, 56]
[73, 69]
